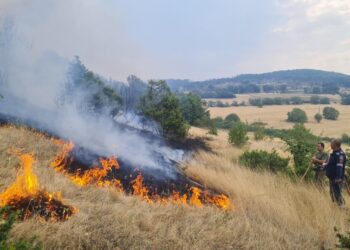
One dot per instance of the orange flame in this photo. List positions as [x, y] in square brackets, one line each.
[26, 184]
[98, 176]
[25, 195]
[94, 176]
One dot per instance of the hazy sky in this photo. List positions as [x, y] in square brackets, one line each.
[195, 39]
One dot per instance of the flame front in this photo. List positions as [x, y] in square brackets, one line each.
[24, 195]
[98, 176]
[93, 176]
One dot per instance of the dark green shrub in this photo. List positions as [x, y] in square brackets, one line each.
[297, 116]
[318, 117]
[232, 118]
[315, 99]
[325, 100]
[330, 113]
[238, 134]
[258, 159]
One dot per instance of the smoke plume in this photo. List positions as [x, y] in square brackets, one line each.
[33, 83]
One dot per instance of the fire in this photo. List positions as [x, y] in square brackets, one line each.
[93, 176]
[99, 175]
[24, 195]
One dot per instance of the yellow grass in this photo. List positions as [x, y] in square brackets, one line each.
[275, 116]
[271, 211]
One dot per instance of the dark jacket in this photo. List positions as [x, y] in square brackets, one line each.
[335, 167]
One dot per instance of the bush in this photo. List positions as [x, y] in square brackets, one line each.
[301, 144]
[212, 128]
[297, 116]
[5, 227]
[318, 117]
[259, 133]
[232, 118]
[345, 138]
[258, 159]
[315, 99]
[226, 123]
[325, 100]
[319, 100]
[238, 134]
[330, 113]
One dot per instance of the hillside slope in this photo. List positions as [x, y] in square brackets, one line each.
[271, 211]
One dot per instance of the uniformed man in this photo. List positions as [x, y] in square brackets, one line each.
[320, 158]
[335, 171]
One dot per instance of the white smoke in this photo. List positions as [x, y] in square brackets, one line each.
[32, 81]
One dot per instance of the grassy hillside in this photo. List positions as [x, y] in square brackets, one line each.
[271, 211]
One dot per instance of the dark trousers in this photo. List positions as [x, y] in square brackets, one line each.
[336, 192]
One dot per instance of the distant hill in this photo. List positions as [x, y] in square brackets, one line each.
[297, 75]
[247, 83]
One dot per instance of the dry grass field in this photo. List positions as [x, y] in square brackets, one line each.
[275, 116]
[271, 212]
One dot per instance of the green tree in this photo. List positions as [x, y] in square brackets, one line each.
[301, 144]
[345, 99]
[91, 90]
[193, 110]
[297, 116]
[318, 117]
[330, 113]
[162, 106]
[238, 134]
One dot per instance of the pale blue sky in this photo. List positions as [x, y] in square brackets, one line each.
[196, 39]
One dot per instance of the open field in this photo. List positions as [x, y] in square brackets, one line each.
[271, 212]
[245, 97]
[275, 116]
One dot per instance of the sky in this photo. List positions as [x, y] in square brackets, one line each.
[187, 39]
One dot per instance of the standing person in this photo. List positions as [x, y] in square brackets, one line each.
[335, 170]
[320, 158]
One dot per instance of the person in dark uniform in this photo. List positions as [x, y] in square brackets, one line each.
[320, 158]
[335, 171]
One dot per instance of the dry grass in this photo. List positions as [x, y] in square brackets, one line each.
[271, 212]
[276, 116]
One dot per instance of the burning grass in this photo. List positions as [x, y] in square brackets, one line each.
[25, 197]
[104, 173]
[271, 212]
